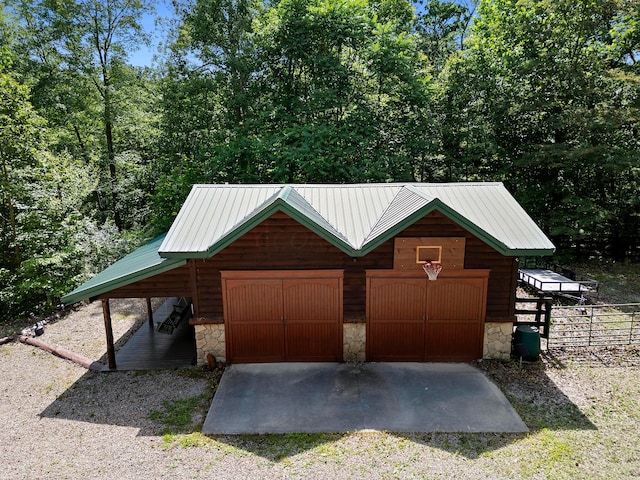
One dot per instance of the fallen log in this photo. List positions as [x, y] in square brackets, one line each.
[64, 353]
[4, 340]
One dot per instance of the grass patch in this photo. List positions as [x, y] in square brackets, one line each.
[619, 282]
[182, 418]
[177, 416]
[186, 440]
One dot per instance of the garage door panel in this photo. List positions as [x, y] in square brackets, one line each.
[312, 342]
[396, 299]
[257, 343]
[283, 316]
[254, 301]
[394, 341]
[312, 300]
[454, 299]
[313, 319]
[414, 319]
[453, 341]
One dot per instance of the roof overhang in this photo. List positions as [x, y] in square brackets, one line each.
[439, 206]
[140, 264]
[487, 211]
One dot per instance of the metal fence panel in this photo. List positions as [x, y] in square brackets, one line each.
[594, 325]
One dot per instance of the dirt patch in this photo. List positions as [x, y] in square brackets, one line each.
[61, 421]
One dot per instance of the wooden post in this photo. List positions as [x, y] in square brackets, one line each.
[111, 350]
[193, 283]
[149, 312]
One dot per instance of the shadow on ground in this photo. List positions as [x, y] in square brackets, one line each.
[128, 399]
[134, 398]
[607, 357]
[535, 396]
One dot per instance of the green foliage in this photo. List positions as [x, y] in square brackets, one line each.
[294, 91]
[546, 99]
[48, 243]
[442, 27]
[96, 154]
[177, 415]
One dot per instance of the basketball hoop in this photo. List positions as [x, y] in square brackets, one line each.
[432, 269]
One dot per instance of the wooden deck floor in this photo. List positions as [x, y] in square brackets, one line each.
[150, 350]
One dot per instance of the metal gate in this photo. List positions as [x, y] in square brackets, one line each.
[594, 325]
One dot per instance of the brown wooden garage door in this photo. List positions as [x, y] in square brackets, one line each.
[410, 318]
[278, 316]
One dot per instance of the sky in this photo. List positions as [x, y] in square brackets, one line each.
[164, 12]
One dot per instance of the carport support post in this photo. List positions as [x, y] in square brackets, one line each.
[111, 350]
[149, 312]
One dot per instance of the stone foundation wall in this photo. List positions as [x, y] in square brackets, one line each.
[210, 339]
[497, 340]
[354, 342]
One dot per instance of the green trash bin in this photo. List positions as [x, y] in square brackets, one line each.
[526, 343]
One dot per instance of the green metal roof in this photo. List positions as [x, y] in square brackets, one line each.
[354, 218]
[138, 265]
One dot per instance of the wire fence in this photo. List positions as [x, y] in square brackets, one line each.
[594, 325]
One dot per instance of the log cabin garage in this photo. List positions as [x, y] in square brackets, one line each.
[278, 273]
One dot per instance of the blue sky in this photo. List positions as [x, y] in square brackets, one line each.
[163, 13]
[158, 32]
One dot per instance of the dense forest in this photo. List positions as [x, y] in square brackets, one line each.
[96, 155]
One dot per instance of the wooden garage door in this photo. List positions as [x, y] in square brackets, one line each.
[283, 316]
[455, 319]
[412, 319]
[396, 319]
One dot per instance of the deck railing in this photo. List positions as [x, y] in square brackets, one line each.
[535, 312]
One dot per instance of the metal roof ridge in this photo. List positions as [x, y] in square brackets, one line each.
[279, 201]
[414, 189]
[335, 229]
[402, 186]
[280, 194]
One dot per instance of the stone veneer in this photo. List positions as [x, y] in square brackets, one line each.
[210, 339]
[354, 342]
[497, 340]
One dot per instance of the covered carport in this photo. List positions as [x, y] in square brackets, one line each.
[141, 274]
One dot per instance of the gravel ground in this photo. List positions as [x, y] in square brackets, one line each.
[61, 421]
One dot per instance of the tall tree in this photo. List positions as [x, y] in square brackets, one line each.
[295, 91]
[80, 45]
[442, 27]
[45, 243]
[543, 100]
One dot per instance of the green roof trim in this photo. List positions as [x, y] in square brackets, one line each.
[259, 216]
[140, 264]
[437, 205]
[354, 218]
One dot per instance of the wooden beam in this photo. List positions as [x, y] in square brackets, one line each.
[195, 294]
[149, 312]
[111, 350]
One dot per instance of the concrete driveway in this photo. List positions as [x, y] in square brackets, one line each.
[338, 397]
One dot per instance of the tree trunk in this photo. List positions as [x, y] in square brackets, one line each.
[108, 129]
[15, 261]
